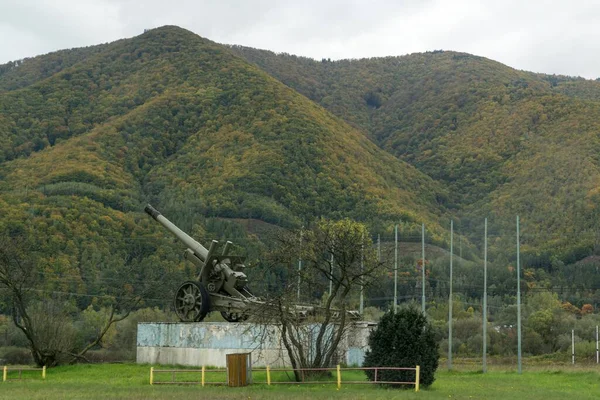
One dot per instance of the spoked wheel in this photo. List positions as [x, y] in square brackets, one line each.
[192, 302]
[234, 316]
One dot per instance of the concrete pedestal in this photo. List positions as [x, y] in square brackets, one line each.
[208, 343]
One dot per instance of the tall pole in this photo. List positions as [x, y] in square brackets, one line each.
[362, 268]
[299, 264]
[423, 267]
[520, 369]
[597, 352]
[484, 311]
[395, 268]
[450, 299]
[573, 346]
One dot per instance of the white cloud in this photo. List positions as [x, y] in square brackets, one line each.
[543, 36]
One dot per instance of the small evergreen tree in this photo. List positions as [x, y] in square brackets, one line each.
[404, 339]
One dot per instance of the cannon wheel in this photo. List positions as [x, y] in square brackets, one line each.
[234, 316]
[192, 302]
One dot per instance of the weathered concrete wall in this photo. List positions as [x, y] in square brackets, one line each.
[207, 343]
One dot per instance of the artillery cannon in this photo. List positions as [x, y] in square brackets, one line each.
[221, 284]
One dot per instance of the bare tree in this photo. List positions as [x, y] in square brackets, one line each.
[338, 259]
[17, 275]
[41, 314]
[118, 308]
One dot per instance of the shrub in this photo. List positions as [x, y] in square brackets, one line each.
[126, 330]
[404, 339]
[585, 351]
[108, 356]
[15, 356]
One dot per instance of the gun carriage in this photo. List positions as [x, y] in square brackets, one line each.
[221, 284]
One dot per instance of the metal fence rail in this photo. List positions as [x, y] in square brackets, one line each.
[5, 370]
[305, 376]
[306, 371]
[174, 372]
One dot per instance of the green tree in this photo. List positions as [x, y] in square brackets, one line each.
[403, 339]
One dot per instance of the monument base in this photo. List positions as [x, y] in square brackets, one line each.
[208, 343]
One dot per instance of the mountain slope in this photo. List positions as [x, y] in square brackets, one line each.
[22, 73]
[504, 142]
[174, 119]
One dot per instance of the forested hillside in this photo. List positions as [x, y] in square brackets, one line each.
[176, 120]
[503, 142]
[233, 143]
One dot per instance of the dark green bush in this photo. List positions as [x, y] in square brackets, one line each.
[404, 339]
[110, 356]
[15, 356]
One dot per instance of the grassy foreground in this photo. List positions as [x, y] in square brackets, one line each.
[129, 381]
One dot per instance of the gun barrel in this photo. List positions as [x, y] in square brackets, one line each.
[196, 247]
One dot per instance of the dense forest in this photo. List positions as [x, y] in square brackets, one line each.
[502, 142]
[235, 143]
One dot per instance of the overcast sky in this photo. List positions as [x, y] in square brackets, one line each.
[554, 37]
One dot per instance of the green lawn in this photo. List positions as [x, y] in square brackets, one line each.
[129, 381]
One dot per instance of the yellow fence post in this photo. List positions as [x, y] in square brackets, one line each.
[203, 372]
[44, 372]
[339, 377]
[268, 375]
[4, 373]
[152, 375]
[418, 369]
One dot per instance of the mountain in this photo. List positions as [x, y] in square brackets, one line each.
[230, 141]
[177, 110]
[502, 142]
[90, 135]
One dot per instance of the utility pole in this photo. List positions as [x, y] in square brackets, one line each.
[520, 369]
[597, 353]
[395, 268]
[484, 311]
[362, 268]
[573, 346]
[450, 299]
[300, 264]
[423, 267]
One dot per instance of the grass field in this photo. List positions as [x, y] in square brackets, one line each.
[130, 381]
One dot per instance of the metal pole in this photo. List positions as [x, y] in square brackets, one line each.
[423, 267]
[597, 353]
[450, 299]
[299, 264]
[573, 346]
[395, 268]
[520, 369]
[362, 268]
[484, 311]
